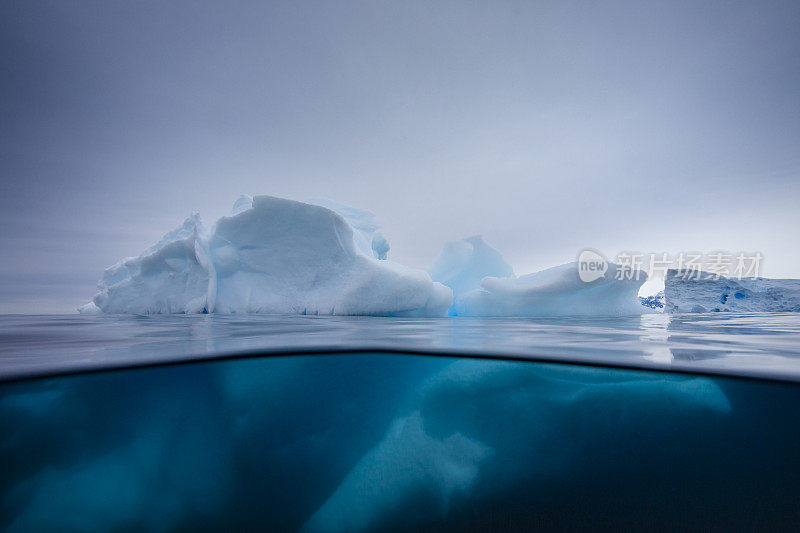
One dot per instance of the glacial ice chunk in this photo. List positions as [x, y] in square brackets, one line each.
[270, 255]
[701, 292]
[463, 264]
[557, 291]
[366, 230]
[169, 277]
[89, 309]
[243, 203]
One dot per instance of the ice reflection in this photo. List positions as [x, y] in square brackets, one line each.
[656, 338]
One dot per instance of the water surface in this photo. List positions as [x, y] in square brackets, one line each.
[763, 345]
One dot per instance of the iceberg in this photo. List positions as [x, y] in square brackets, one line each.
[700, 292]
[484, 284]
[557, 291]
[271, 255]
[463, 264]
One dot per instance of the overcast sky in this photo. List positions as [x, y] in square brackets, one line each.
[545, 126]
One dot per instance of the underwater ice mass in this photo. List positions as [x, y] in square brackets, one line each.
[407, 442]
[273, 255]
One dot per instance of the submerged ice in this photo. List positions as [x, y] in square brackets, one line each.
[387, 442]
[505, 424]
[271, 255]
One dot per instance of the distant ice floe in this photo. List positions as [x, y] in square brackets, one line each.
[701, 292]
[271, 255]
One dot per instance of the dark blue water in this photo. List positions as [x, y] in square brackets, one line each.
[389, 441]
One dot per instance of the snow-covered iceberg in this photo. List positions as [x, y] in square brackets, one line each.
[270, 255]
[463, 264]
[701, 292]
[557, 291]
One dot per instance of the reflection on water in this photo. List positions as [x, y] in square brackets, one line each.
[763, 345]
[390, 442]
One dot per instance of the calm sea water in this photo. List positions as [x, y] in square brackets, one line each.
[763, 345]
[682, 422]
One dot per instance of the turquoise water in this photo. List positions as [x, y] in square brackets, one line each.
[373, 440]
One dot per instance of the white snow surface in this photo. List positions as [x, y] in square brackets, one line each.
[463, 264]
[556, 291]
[367, 234]
[271, 255]
[693, 292]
